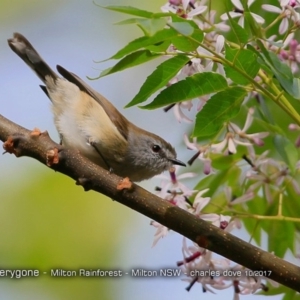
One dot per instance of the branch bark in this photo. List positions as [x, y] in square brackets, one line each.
[23, 142]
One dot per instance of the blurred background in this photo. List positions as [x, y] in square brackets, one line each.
[48, 222]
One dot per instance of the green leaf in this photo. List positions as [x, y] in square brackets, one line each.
[183, 28]
[130, 11]
[148, 26]
[281, 71]
[280, 231]
[177, 19]
[263, 123]
[197, 36]
[151, 26]
[181, 43]
[239, 33]
[291, 200]
[129, 61]
[296, 87]
[159, 47]
[193, 86]
[228, 177]
[188, 44]
[142, 42]
[221, 161]
[289, 294]
[159, 78]
[253, 49]
[128, 21]
[212, 181]
[265, 113]
[253, 228]
[287, 150]
[254, 27]
[137, 12]
[243, 59]
[257, 206]
[219, 109]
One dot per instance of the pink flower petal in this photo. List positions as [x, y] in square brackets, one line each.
[271, 8]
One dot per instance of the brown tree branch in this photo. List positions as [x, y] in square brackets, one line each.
[23, 142]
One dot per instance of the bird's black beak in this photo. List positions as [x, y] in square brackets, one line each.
[177, 162]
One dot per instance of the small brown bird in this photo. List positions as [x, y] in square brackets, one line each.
[90, 123]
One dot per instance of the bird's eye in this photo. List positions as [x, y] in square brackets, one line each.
[155, 148]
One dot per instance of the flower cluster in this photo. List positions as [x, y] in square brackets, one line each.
[218, 274]
[265, 174]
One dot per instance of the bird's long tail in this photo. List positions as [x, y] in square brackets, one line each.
[21, 46]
